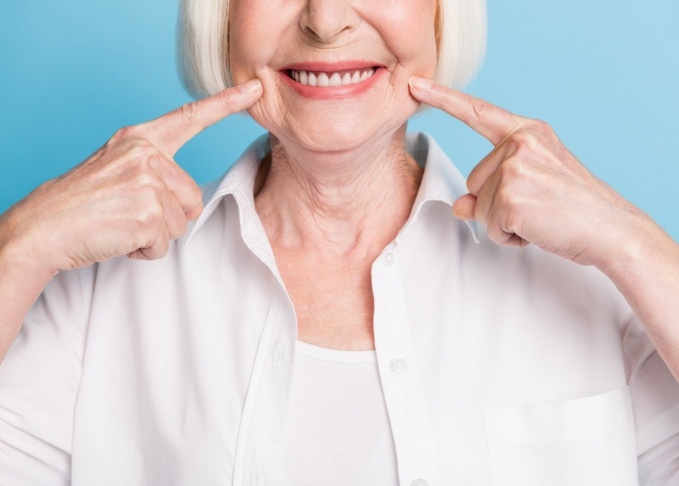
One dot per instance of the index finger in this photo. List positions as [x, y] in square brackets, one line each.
[489, 120]
[172, 130]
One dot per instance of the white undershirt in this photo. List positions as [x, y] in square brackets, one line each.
[337, 431]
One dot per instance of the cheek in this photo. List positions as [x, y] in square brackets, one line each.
[255, 34]
[409, 32]
[268, 113]
[404, 28]
[248, 51]
[408, 29]
[255, 37]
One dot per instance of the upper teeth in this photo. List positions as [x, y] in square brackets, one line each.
[324, 79]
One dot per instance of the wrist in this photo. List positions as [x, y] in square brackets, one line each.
[22, 254]
[22, 280]
[636, 250]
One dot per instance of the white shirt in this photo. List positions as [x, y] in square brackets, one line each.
[337, 429]
[498, 366]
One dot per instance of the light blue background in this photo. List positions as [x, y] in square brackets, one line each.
[604, 74]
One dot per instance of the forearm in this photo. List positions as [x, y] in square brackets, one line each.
[646, 271]
[22, 279]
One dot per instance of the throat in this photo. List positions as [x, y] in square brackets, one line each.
[357, 205]
[333, 300]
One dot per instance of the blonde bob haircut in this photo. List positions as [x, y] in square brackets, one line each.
[202, 50]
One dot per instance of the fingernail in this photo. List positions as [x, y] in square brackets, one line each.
[251, 87]
[420, 83]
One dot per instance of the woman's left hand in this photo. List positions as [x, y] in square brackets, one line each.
[530, 188]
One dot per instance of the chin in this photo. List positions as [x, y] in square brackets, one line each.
[331, 136]
[338, 126]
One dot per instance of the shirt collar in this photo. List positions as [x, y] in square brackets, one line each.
[239, 181]
[441, 182]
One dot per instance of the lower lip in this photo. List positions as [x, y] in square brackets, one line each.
[334, 92]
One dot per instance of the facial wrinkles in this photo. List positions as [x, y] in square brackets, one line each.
[378, 38]
[336, 210]
[339, 162]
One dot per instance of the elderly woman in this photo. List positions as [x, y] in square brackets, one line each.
[329, 312]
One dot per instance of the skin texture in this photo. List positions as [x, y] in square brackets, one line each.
[267, 35]
[338, 184]
[531, 189]
[128, 198]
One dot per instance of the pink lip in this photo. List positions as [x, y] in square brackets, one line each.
[336, 92]
[330, 66]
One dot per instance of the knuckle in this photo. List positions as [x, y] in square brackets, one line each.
[512, 168]
[508, 200]
[124, 133]
[513, 220]
[524, 141]
[227, 99]
[178, 228]
[542, 127]
[224, 96]
[142, 150]
[151, 215]
[138, 163]
[189, 112]
[478, 107]
[158, 249]
[129, 156]
[496, 235]
[119, 135]
[148, 186]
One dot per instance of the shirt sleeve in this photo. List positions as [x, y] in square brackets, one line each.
[655, 405]
[39, 380]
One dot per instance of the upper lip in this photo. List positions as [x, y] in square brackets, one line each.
[330, 67]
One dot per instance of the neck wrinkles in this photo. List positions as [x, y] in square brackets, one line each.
[337, 203]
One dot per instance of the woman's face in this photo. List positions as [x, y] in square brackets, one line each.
[359, 54]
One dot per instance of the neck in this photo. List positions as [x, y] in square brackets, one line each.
[337, 203]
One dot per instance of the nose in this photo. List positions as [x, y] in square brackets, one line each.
[326, 20]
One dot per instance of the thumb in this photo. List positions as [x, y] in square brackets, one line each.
[464, 207]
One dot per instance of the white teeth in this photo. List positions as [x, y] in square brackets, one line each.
[324, 79]
[335, 80]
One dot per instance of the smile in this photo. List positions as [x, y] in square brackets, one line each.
[324, 79]
[332, 81]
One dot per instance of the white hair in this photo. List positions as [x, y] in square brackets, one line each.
[203, 60]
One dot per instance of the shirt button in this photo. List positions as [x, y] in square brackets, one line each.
[388, 254]
[398, 365]
[419, 482]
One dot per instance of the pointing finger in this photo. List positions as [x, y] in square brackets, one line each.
[180, 184]
[485, 169]
[489, 120]
[172, 130]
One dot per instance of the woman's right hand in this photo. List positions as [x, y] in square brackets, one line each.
[128, 198]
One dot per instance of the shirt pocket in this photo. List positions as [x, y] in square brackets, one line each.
[583, 442]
